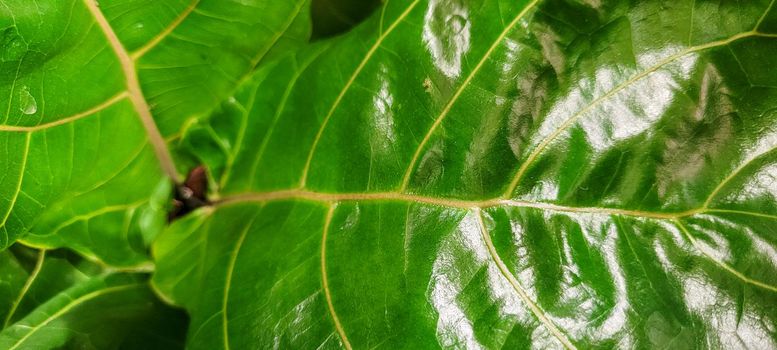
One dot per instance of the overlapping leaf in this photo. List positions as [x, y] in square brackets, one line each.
[495, 174]
[90, 93]
[57, 300]
[93, 93]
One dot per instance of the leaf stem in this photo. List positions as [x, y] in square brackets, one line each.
[451, 202]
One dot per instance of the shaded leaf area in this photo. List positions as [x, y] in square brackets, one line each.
[536, 174]
[332, 17]
[56, 300]
[93, 90]
[31, 277]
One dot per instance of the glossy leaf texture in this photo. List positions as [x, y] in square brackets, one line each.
[93, 92]
[494, 174]
[57, 300]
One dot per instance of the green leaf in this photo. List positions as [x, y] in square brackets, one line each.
[31, 277]
[494, 174]
[55, 299]
[91, 94]
[111, 312]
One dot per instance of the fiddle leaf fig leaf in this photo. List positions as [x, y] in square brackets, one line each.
[54, 300]
[446, 174]
[493, 174]
[113, 312]
[31, 277]
[93, 93]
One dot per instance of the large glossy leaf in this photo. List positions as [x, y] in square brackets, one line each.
[90, 93]
[494, 174]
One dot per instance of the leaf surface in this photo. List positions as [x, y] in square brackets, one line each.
[93, 92]
[494, 174]
[32, 276]
[110, 312]
[55, 299]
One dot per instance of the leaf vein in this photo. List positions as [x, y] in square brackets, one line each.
[459, 91]
[100, 107]
[68, 307]
[23, 168]
[535, 309]
[347, 86]
[325, 281]
[164, 33]
[722, 264]
[577, 115]
[228, 283]
[135, 92]
[25, 288]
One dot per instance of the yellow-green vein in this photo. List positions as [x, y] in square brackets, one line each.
[347, 86]
[71, 305]
[574, 117]
[766, 12]
[539, 313]
[92, 215]
[278, 111]
[111, 101]
[325, 280]
[722, 264]
[245, 111]
[13, 86]
[731, 176]
[164, 33]
[22, 169]
[27, 284]
[228, 282]
[460, 90]
[292, 17]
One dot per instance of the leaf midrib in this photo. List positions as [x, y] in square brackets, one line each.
[136, 93]
[327, 197]
[333, 198]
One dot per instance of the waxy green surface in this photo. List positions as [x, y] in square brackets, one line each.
[91, 95]
[455, 174]
[494, 174]
[56, 300]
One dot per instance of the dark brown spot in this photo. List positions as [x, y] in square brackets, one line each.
[191, 194]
